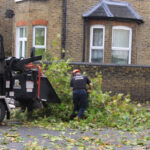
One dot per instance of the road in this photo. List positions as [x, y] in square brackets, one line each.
[14, 137]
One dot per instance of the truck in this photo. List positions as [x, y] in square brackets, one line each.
[23, 84]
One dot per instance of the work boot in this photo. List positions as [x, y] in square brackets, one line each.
[73, 116]
[77, 118]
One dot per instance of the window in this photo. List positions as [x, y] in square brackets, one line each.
[121, 45]
[39, 39]
[97, 44]
[21, 42]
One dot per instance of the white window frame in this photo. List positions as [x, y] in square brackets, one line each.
[18, 39]
[18, 0]
[91, 40]
[130, 41]
[45, 37]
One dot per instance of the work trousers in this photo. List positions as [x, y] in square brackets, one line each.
[80, 102]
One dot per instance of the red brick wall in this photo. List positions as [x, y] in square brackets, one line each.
[21, 23]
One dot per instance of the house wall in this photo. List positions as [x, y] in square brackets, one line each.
[141, 39]
[6, 25]
[117, 78]
[74, 41]
[36, 13]
[51, 11]
[108, 38]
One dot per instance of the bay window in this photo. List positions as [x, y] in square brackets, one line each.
[21, 42]
[97, 44]
[121, 45]
[39, 39]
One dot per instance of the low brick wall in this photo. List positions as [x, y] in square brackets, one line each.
[127, 79]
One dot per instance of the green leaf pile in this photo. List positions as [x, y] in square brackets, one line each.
[103, 109]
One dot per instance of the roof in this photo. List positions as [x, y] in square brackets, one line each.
[113, 10]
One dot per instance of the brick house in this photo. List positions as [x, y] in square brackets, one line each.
[91, 30]
[6, 24]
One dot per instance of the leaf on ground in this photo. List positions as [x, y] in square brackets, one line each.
[13, 129]
[70, 140]
[55, 138]
[95, 133]
[45, 135]
[86, 138]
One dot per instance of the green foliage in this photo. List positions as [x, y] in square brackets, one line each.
[103, 110]
[46, 56]
[59, 76]
[21, 116]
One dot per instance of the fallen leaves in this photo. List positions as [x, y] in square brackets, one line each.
[11, 138]
[104, 139]
[34, 145]
[104, 111]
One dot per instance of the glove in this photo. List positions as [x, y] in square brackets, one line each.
[89, 90]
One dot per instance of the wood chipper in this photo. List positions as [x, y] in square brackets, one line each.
[22, 83]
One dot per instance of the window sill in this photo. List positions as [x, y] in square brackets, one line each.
[18, 0]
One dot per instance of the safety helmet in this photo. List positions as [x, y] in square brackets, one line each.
[75, 71]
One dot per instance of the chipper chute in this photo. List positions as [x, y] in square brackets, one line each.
[47, 92]
[22, 81]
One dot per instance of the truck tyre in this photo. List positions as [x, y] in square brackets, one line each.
[2, 111]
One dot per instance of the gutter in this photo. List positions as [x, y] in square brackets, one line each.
[84, 36]
[63, 39]
[139, 21]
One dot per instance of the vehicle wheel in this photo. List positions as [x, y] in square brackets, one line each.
[2, 111]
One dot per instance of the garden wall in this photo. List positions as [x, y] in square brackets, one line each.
[127, 79]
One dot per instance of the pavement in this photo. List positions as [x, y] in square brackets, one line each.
[19, 137]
